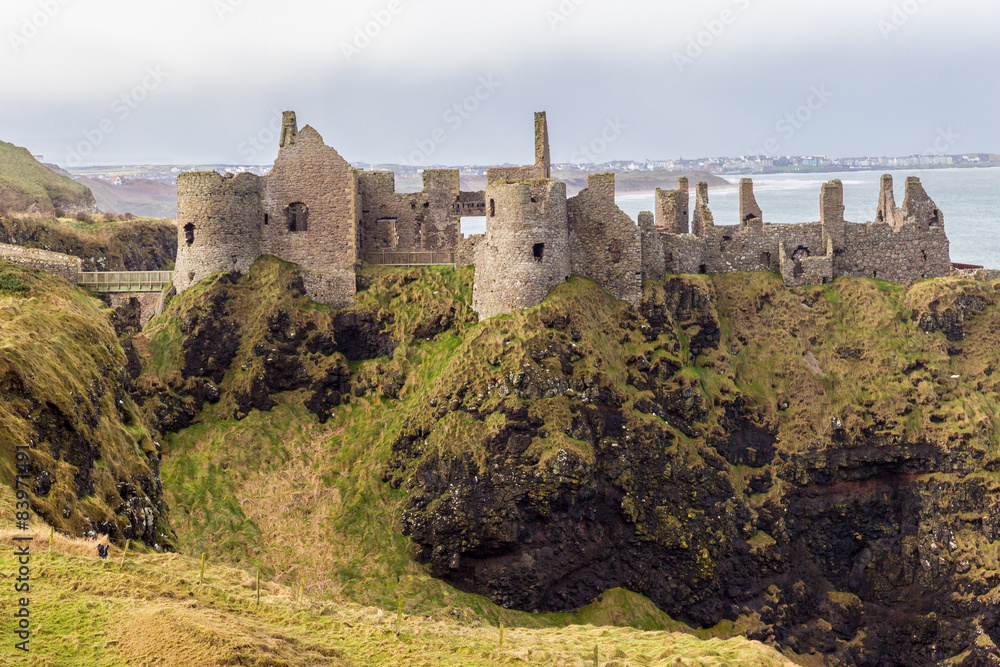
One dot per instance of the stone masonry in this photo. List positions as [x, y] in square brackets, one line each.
[51, 262]
[314, 209]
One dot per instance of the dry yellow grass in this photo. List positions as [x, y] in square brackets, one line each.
[152, 611]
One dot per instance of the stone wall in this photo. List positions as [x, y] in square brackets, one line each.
[428, 220]
[543, 156]
[511, 174]
[526, 250]
[653, 257]
[605, 245]
[672, 209]
[471, 204]
[465, 253]
[55, 263]
[218, 225]
[313, 206]
[909, 244]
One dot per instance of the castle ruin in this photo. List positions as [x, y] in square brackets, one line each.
[316, 210]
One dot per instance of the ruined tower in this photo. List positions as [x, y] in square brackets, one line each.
[526, 250]
[218, 223]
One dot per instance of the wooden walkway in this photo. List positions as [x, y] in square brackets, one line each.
[398, 258]
[125, 281]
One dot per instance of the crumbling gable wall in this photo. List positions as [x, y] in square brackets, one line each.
[605, 245]
[312, 203]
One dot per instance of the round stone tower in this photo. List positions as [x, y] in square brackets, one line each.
[526, 250]
[219, 220]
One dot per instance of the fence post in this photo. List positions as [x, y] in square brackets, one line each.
[258, 587]
[399, 617]
[596, 657]
[124, 553]
[501, 636]
[302, 588]
[201, 579]
[52, 534]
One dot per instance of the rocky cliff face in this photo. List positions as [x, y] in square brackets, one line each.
[817, 466]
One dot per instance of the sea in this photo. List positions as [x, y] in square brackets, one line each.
[969, 198]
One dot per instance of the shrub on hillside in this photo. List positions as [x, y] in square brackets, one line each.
[82, 217]
[10, 281]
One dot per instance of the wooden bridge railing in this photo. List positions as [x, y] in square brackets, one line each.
[401, 258]
[126, 281]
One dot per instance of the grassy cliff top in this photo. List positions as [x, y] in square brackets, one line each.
[26, 182]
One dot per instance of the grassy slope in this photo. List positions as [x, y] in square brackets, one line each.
[60, 362]
[25, 181]
[92, 613]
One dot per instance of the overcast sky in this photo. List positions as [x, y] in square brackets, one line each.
[204, 81]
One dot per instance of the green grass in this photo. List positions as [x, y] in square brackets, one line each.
[59, 352]
[25, 182]
[91, 613]
[281, 492]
